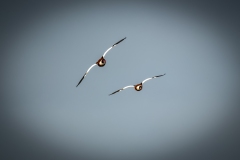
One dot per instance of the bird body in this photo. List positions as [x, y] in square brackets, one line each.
[101, 62]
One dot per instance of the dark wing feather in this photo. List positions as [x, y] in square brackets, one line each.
[119, 41]
[159, 75]
[81, 80]
[115, 92]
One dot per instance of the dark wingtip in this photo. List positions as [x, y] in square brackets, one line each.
[114, 92]
[77, 84]
[80, 81]
[159, 75]
[119, 41]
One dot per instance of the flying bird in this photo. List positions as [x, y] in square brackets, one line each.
[137, 87]
[101, 62]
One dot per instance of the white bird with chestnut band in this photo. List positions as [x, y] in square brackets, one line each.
[137, 87]
[102, 61]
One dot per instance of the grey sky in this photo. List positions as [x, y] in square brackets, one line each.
[51, 52]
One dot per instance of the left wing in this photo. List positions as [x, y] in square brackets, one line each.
[121, 89]
[86, 73]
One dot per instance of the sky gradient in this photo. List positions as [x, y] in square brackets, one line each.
[190, 113]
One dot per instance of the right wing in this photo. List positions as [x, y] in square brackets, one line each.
[113, 46]
[86, 74]
[152, 78]
[121, 89]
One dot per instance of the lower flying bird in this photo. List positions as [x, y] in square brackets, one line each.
[137, 87]
[101, 62]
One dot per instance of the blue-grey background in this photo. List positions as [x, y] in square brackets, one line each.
[190, 113]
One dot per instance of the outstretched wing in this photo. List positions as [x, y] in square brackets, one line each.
[86, 73]
[121, 89]
[113, 46]
[152, 78]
